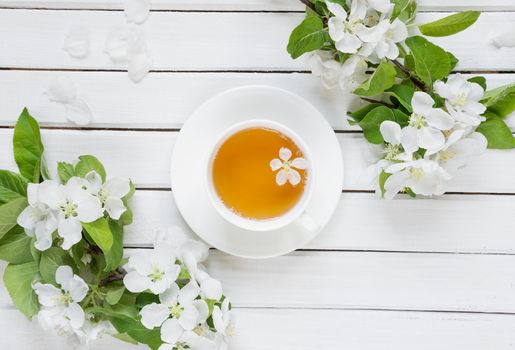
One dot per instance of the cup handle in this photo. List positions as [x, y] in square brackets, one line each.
[307, 224]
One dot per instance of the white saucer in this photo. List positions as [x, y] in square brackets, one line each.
[197, 137]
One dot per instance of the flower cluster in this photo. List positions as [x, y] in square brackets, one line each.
[365, 31]
[286, 167]
[423, 122]
[423, 153]
[63, 207]
[189, 309]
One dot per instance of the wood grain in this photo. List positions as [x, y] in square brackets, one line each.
[464, 223]
[317, 329]
[248, 5]
[209, 41]
[145, 158]
[366, 280]
[164, 100]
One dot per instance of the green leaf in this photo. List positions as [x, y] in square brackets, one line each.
[125, 338]
[140, 333]
[401, 118]
[451, 24]
[51, 259]
[115, 254]
[497, 133]
[382, 180]
[28, 147]
[382, 79]
[372, 121]
[306, 37]
[403, 94]
[126, 218]
[500, 101]
[36, 254]
[357, 116]
[18, 282]
[15, 246]
[12, 186]
[9, 213]
[89, 163]
[481, 81]
[431, 62]
[65, 171]
[114, 293]
[453, 59]
[100, 233]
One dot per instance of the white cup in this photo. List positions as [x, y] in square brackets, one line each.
[296, 216]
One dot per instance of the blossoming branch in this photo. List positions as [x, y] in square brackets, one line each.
[422, 123]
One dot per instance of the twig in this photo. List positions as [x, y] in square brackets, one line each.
[308, 4]
[380, 102]
[113, 277]
[419, 83]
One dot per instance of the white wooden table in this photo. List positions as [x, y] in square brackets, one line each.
[405, 274]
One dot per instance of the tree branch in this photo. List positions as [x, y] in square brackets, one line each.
[419, 83]
[308, 4]
[117, 275]
[380, 102]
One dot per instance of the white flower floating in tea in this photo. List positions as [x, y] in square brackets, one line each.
[287, 172]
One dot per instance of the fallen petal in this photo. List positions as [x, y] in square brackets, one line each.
[293, 177]
[137, 11]
[76, 43]
[139, 66]
[78, 112]
[62, 89]
[506, 39]
[117, 44]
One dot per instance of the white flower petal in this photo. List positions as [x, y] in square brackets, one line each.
[171, 331]
[285, 154]
[135, 283]
[336, 9]
[505, 39]
[117, 44]
[76, 315]
[166, 346]
[275, 164]
[78, 112]
[89, 207]
[189, 292]
[63, 276]
[299, 163]
[114, 207]
[94, 182]
[293, 177]
[430, 138]
[350, 43]
[137, 11]
[422, 103]
[281, 177]
[219, 321]
[189, 317]
[203, 310]
[395, 183]
[71, 231]
[440, 119]
[169, 297]
[139, 66]
[211, 288]
[62, 89]
[118, 187]
[399, 31]
[391, 132]
[78, 289]
[48, 295]
[76, 43]
[153, 315]
[28, 218]
[43, 238]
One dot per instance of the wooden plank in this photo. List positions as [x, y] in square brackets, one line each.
[230, 41]
[464, 223]
[265, 329]
[248, 5]
[145, 157]
[366, 280]
[164, 100]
